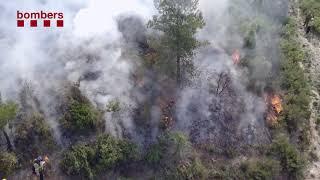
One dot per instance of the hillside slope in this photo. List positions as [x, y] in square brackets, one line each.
[311, 44]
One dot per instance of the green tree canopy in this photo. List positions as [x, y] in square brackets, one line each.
[7, 112]
[179, 20]
[105, 153]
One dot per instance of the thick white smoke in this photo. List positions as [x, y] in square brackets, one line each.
[89, 50]
[48, 58]
[99, 16]
[236, 112]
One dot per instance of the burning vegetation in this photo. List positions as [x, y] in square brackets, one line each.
[166, 99]
[274, 108]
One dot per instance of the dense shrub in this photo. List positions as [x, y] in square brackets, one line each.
[88, 159]
[290, 159]
[316, 24]
[172, 157]
[192, 169]
[33, 137]
[8, 163]
[7, 112]
[82, 116]
[296, 112]
[312, 8]
[178, 144]
[173, 145]
[79, 160]
[111, 151]
[293, 81]
[257, 169]
[155, 154]
[79, 113]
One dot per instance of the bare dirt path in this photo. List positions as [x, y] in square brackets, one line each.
[311, 44]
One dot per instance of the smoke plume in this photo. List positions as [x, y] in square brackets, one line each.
[98, 49]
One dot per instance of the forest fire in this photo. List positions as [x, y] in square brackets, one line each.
[276, 103]
[274, 106]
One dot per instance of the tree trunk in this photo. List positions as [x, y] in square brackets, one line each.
[178, 70]
[9, 145]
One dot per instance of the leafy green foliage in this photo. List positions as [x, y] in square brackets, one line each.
[290, 159]
[79, 161]
[33, 137]
[316, 24]
[192, 170]
[88, 159]
[155, 154]
[257, 169]
[172, 157]
[296, 100]
[82, 115]
[111, 151]
[312, 8]
[8, 163]
[7, 112]
[173, 145]
[179, 142]
[79, 115]
[179, 20]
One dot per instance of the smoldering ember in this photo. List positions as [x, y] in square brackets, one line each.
[161, 89]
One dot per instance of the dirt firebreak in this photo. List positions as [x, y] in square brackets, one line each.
[45, 17]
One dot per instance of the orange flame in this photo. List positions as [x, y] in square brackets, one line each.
[46, 159]
[276, 104]
[274, 108]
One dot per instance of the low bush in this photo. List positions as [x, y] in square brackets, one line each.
[79, 114]
[79, 160]
[192, 169]
[155, 154]
[33, 137]
[8, 163]
[290, 159]
[257, 169]
[88, 159]
[82, 116]
[110, 152]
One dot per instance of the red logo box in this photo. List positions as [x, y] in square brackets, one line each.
[46, 23]
[59, 23]
[20, 23]
[33, 23]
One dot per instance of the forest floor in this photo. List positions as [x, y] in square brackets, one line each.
[311, 44]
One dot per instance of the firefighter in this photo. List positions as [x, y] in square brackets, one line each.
[38, 167]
